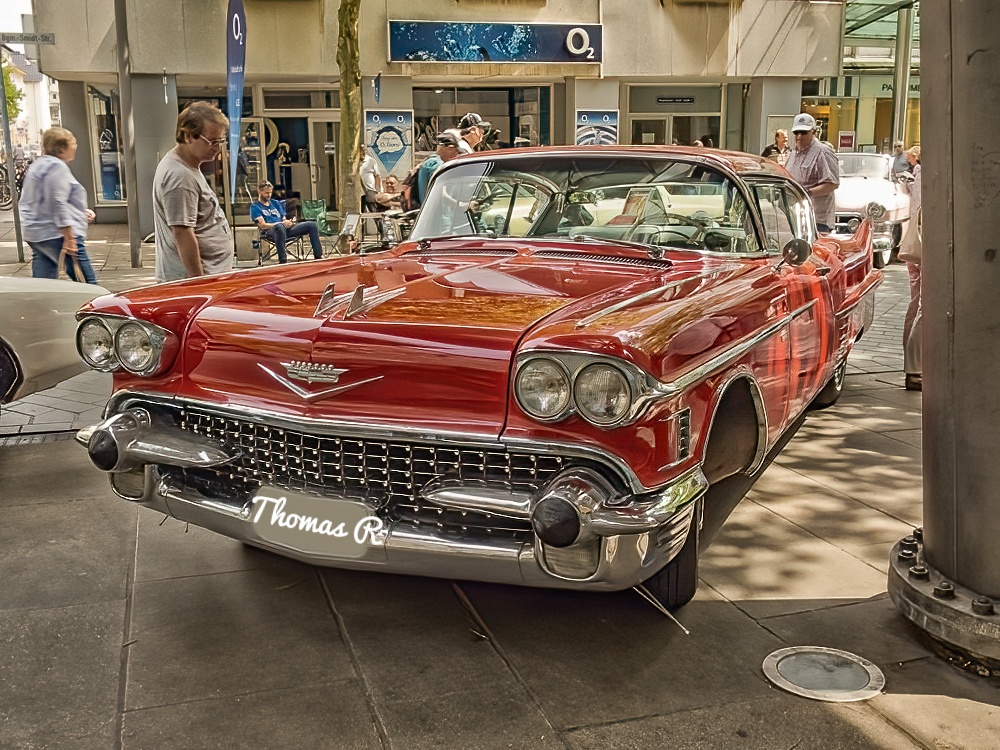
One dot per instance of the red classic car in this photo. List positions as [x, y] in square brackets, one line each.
[537, 388]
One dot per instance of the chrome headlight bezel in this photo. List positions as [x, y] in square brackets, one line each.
[164, 344]
[641, 386]
[560, 371]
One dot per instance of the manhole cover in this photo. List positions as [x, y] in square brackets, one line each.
[824, 674]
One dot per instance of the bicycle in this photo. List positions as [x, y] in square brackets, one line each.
[6, 193]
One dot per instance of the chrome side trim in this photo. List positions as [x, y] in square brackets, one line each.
[649, 294]
[698, 374]
[861, 298]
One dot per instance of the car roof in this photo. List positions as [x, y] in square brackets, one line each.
[736, 161]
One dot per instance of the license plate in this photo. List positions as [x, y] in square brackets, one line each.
[316, 525]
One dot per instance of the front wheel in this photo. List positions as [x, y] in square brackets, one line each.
[832, 390]
[675, 585]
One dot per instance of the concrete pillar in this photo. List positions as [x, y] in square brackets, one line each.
[772, 104]
[154, 123]
[901, 72]
[598, 94]
[949, 584]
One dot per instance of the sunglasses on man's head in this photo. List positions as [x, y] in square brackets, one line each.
[218, 142]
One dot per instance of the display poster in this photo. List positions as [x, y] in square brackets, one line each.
[597, 127]
[437, 41]
[389, 136]
[845, 140]
[236, 55]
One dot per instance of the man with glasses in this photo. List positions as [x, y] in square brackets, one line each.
[816, 168]
[447, 149]
[192, 235]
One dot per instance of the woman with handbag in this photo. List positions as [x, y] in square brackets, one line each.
[910, 251]
[54, 212]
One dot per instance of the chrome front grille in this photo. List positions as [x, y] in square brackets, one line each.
[386, 474]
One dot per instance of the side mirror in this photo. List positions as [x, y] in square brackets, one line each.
[796, 252]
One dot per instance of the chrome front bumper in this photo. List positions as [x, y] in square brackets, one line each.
[617, 544]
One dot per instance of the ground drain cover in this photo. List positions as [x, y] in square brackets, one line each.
[824, 674]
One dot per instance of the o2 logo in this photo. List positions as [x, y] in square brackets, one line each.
[578, 43]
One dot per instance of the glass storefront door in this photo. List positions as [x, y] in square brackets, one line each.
[323, 135]
[681, 130]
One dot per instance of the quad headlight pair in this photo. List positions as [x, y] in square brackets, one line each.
[107, 343]
[549, 389]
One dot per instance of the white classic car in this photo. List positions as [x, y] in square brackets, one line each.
[864, 179]
[38, 333]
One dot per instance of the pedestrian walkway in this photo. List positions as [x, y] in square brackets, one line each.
[185, 639]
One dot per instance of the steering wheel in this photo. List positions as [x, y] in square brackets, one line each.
[696, 239]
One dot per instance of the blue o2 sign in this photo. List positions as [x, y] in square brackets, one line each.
[436, 41]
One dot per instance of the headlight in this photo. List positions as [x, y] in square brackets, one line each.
[602, 394]
[853, 225]
[96, 345]
[875, 210]
[138, 351]
[542, 388]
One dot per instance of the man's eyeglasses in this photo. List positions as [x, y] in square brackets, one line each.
[218, 142]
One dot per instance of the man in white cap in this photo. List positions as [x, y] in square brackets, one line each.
[815, 167]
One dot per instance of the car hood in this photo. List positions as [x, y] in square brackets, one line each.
[404, 338]
[855, 193]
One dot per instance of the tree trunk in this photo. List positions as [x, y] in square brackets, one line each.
[349, 142]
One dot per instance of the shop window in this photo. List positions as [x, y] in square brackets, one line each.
[287, 99]
[105, 127]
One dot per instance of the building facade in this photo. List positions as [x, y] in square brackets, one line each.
[542, 72]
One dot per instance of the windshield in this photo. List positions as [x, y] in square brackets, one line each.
[651, 201]
[863, 165]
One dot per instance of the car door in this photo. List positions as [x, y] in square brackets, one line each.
[787, 215]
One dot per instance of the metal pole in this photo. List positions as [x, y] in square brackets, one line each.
[11, 178]
[901, 72]
[128, 132]
[947, 580]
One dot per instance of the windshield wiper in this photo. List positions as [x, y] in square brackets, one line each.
[488, 234]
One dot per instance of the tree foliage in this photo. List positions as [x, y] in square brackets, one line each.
[13, 94]
[349, 142]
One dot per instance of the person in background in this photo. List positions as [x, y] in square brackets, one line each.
[777, 151]
[388, 199]
[698, 144]
[192, 235]
[472, 129]
[447, 149]
[816, 168]
[900, 164]
[371, 180]
[54, 212]
[270, 217]
[912, 354]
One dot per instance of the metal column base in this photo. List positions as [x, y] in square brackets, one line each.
[961, 618]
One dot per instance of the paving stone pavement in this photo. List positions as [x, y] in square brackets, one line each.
[122, 629]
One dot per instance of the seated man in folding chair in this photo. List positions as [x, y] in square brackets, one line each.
[269, 215]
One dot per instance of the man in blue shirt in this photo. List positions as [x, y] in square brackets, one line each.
[269, 215]
[447, 149]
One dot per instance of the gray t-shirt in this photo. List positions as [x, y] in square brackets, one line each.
[183, 198]
[814, 166]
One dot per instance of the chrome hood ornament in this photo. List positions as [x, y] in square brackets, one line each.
[313, 373]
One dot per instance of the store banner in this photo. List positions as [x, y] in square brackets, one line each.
[389, 135]
[597, 127]
[236, 55]
[437, 41]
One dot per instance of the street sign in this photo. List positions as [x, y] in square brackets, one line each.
[9, 37]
